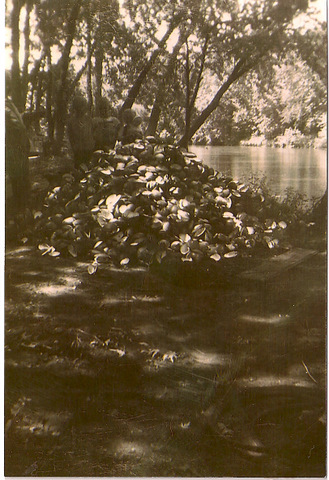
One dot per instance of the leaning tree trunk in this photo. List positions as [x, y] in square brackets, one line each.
[161, 90]
[237, 72]
[134, 91]
[191, 96]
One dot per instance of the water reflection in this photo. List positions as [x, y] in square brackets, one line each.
[305, 170]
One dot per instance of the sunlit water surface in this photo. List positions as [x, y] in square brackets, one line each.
[305, 170]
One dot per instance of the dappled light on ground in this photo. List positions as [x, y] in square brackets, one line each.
[265, 320]
[124, 374]
[271, 381]
[209, 358]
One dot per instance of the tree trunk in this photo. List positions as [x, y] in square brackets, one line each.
[99, 56]
[61, 97]
[199, 77]
[187, 94]
[39, 93]
[76, 81]
[27, 41]
[161, 91]
[154, 117]
[237, 72]
[89, 62]
[49, 97]
[320, 211]
[16, 88]
[134, 91]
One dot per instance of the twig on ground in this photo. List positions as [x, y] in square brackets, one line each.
[308, 373]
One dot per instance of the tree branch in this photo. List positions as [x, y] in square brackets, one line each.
[133, 92]
[237, 72]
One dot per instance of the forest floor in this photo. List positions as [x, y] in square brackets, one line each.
[125, 373]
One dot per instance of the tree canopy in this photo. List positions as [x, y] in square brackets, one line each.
[175, 59]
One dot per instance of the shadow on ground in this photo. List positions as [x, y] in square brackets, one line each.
[124, 374]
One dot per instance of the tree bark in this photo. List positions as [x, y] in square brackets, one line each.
[61, 98]
[76, 81]
[161, 91]
[154, 117]
[187, 93]
[89, 61]
[27, 41]
[49, 96]
[237, 72]
[99, 56]
[199, 77]
[133, 92]
[16, 88]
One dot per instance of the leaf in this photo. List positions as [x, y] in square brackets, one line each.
[68, 220]
[229, 202]
[230, 254]
[183, 215]
[154, 352]
[165, 226]
[282, 225]
[250, 230]
[54, 253]
[125, 261]
[183, 203]
[120, 352]
[236, 193]
[109, 171]
[243, 188]
[228, 215]
[37, 215]
[83, 167]
[184, 237]
[97, 244]
[112, 200]
[92, 269]
[185, 425]
[101, 257]
[72, 250]
[184, 249]
[171, 356]
[160, 255]
[43, 247]
[198, 230]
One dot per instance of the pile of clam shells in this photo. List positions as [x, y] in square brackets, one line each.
[147, 202]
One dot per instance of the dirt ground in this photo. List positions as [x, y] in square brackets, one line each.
[130, 373]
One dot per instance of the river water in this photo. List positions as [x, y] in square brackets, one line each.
[305, 170]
